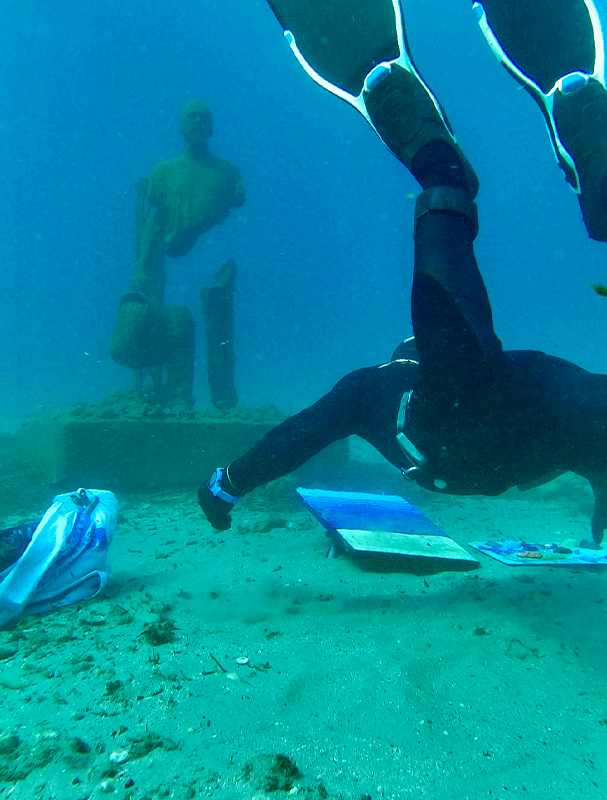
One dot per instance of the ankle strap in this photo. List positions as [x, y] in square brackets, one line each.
[447, 198]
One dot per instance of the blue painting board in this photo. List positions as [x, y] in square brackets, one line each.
[362, 511]
[379, 525]
[532, 554]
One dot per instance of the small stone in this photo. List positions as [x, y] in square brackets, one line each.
[80, 746]
[242, 660]
[119, 756]
[95, 621]
[9, 680]
[8, 744]
[7, 652]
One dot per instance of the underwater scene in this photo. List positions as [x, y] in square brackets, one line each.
[303, 400]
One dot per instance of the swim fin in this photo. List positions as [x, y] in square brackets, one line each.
[559, 58]
[358, 51]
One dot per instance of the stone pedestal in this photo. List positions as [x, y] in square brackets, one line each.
[147, 455]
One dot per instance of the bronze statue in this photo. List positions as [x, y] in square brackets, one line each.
[186, 196]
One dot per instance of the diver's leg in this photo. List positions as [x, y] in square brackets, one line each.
[556, 51]
[451, 314]
[461, 362]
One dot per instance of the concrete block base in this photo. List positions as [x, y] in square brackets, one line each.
[94, 449]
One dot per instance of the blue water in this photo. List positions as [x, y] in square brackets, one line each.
[89, 100]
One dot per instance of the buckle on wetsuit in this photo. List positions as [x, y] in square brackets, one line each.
[417, 459]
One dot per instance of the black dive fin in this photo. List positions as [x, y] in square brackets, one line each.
[551, 54]
[358, 51]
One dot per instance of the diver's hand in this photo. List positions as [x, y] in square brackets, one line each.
[217, 497]
[216, 510]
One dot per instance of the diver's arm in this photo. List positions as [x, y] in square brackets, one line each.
[364, 403]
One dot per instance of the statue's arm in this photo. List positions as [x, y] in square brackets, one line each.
[150, 264]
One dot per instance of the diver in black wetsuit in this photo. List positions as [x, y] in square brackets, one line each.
[462, 416]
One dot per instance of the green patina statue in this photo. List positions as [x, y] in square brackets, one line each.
[186, 196]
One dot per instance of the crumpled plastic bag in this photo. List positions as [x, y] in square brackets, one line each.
[65, 561]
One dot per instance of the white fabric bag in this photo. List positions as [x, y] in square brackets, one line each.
[65, 560]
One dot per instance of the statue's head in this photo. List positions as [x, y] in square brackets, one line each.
[196, 124]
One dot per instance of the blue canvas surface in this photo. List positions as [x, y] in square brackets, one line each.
[368, 512]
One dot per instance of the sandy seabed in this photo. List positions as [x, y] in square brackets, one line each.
[246, 664]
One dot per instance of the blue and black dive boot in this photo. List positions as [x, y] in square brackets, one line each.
[558, 56]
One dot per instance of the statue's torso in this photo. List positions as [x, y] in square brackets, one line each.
[194, 195]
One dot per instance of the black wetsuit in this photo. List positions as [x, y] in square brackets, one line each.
[484, 419]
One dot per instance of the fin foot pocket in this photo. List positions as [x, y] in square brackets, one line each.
[581, 122]
[407, 118]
